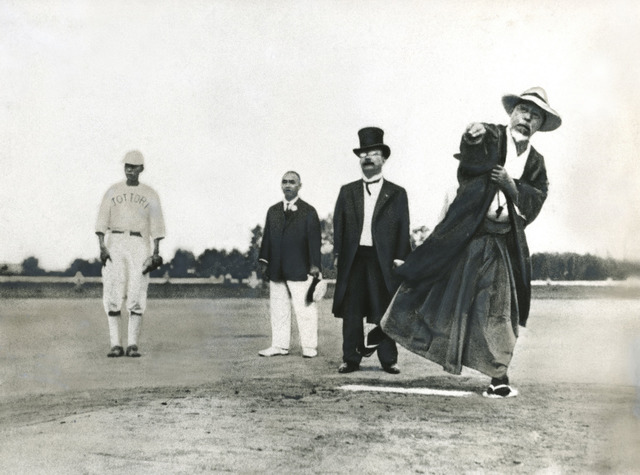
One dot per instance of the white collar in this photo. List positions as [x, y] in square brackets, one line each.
[373, 178]
[291, 203]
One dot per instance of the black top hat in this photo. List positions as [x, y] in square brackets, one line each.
[370, 138]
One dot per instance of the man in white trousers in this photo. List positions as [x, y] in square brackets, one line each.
[130, 217]
[290, 259]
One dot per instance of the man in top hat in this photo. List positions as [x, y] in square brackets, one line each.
[130, 217]
[371, 231]
[290, 259]
[467, 288]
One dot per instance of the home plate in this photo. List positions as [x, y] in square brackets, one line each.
[423, 391]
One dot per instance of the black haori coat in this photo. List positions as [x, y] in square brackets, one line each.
[389, 228]
[433, 259]
[291, 242]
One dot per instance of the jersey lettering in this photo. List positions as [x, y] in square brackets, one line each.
[131, 198]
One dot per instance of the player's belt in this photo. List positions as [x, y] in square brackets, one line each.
[130, 233]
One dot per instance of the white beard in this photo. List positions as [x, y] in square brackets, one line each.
[518, 136]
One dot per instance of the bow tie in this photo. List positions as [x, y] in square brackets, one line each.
[367, 183]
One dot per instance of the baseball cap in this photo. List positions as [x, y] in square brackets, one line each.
[133, 158]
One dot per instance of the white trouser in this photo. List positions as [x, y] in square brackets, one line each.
[122, 275]
[284, 295]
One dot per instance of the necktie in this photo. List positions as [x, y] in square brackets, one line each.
[367, 183]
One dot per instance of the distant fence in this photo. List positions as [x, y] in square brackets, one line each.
[79, 286]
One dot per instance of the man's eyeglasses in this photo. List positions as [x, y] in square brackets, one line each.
[373, 154]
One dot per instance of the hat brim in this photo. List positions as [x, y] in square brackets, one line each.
[133, 161]
[552, 119]
[317, 290]
[321, 291]
[386, 151]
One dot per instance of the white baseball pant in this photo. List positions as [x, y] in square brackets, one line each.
[122, 275]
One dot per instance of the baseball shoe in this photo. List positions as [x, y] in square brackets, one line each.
[115, 351]
[132, 350]
[500, 391]
[309, 353]
[273, 351]
[391, 368]
[348, 368]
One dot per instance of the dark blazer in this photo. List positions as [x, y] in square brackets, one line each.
[389, 228]
[291, 243]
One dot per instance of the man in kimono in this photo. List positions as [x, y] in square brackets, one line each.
[466, 289]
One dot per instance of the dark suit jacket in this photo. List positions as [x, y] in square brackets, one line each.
[389, 228]
[291, 244]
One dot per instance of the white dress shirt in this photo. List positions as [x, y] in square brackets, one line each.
[366, 238]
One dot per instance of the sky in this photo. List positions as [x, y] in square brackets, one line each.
[223, 96]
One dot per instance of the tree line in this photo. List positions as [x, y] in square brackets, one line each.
[236, 264]
[572, 266]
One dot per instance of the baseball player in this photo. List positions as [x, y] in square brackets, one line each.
[130, 217]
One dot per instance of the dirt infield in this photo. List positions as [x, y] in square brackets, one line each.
[200, 400]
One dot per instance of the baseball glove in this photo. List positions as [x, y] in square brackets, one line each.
[151, 263]
[104, 256]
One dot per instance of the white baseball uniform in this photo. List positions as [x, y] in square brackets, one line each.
[130, 217]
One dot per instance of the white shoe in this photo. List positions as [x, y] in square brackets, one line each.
[273, 351]
[309, 353]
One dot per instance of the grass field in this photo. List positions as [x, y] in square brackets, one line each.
[200, 400]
